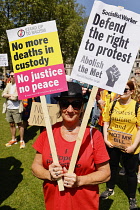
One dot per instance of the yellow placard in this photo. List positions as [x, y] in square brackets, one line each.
[35, 52]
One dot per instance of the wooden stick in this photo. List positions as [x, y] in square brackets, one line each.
[51, 138]
[82, 129]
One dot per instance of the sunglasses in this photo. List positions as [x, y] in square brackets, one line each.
[77, 104]
[12, 76]
[126, 89]
[137, 73]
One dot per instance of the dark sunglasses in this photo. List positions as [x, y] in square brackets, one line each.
[77, 104]
[137, 73]
[12, 76]
[126, 89]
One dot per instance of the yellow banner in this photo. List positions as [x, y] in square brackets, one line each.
[36, 51]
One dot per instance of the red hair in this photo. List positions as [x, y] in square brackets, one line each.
[131, 85]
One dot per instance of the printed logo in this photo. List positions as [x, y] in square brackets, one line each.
[113, 75]
[21, 33]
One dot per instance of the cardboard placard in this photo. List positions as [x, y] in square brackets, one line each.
[37, 116]
[119, 139]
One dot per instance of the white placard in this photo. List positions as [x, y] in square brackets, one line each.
[108, 48]
[31, 30]
[3, 60]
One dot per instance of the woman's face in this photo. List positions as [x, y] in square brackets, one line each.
[71, 109]
[127, 93]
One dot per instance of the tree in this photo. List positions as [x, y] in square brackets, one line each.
[69, 18]
[5, 24]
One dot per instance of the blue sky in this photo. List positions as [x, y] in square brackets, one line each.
[132, 5]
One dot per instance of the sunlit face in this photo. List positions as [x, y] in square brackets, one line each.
[137, 72]
[127, 93]
[12, 77]
[71, 109]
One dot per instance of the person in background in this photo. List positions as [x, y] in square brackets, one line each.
[123, 119]
[0, 84]
[92, 167]
[3, 84]
[27, 104]
[8, 78]
[137, 72]
[13, 108]
[104, 98]
[138, 175]
[137, 98]
[136, 95]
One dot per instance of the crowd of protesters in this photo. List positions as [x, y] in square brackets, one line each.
[106, 117]
[103, 117]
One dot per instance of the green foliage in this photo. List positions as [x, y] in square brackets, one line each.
[69, 18]
[20, 190]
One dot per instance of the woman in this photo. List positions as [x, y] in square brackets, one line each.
[137, 98]
[92, 167]
[123, 118]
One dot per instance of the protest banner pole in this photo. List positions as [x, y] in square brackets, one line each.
[82, 129]
[40, 72]
[51, 138]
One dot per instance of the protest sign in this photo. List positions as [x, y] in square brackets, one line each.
[108, 48]
[37, 116]
[119, 139]
[3, 59]
[37, 60]
[106, 55]
[38, 68]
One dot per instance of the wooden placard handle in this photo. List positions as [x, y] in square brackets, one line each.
[51, 138]
[82, 129]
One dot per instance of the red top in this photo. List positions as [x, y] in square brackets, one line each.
[92, 152]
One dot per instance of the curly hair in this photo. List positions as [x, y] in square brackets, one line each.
[137, 89]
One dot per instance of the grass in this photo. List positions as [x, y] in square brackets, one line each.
[20, 190]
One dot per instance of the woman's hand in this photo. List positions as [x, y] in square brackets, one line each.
[70, 180]
[130, 149]
[109, 144]
[56, 171]
[133, 147]
[105, 131]
[101, 103]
